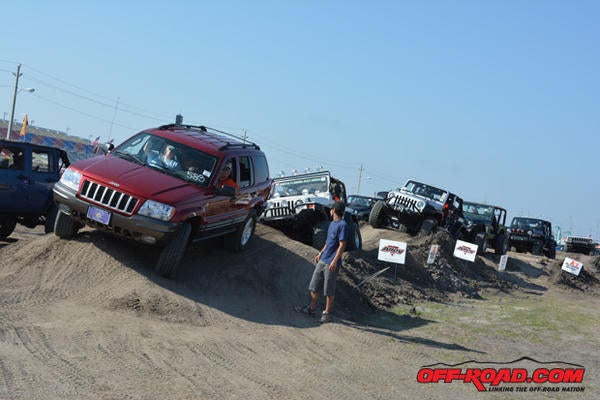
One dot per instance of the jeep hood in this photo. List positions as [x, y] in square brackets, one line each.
[136, 179]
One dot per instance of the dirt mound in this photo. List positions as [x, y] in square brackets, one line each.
[588, 279]
[417, 280]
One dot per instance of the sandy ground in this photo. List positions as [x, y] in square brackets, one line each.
[88, 319]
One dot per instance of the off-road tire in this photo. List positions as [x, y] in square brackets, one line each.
[501, 244]
[172, 253]
[354, 241]
[481, 242]
[238, 241]
[377, 215]
[551, 252]
[428, 227]
[64, 226]
[537, 248]
[319, 236]
[7, 226]
[50, 219]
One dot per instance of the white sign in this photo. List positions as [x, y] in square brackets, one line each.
[502, 264]
[465, 250]
[432, 253]
[392, 251]
[572, 266]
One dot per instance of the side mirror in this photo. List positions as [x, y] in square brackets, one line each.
[228, 191]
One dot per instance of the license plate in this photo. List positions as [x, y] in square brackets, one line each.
[98, 215]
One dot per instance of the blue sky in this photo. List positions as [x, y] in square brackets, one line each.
[497, 101]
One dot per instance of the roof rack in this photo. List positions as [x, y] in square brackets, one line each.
[244, 142]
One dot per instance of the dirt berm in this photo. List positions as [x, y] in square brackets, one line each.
[88, 319]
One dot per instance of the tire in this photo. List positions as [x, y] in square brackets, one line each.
[238, 241]
[377, 215]
[50, 219]
[551, 252]
[481, 242]
[428, 227]
[319, 236]
[536, 248]
[172, 253]
[64, 226]
[7, 226]
[501, 244]
[354, 241]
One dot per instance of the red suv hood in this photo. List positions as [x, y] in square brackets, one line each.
[136, 179]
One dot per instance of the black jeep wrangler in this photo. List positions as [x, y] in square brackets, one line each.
[486, 224]
[299, 206]
[27, 174]
[419, 208]
[532, 235]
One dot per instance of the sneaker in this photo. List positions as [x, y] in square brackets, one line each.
[305, 310]
[325, 317]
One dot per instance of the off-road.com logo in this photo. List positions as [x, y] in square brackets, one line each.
[492, 377]
[465, 249]
[392, 250]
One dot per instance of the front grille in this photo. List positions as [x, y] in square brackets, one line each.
[403, 202]
[108, 197]
[580, 240]
[277, 210]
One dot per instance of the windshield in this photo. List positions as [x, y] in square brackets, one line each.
[424, 190]
[312, 185]
[361, 201]
[478, 212]
[527, 223]
[168, 157]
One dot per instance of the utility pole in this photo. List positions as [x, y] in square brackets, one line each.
[360, 170]
[14, 100]
[113, 119]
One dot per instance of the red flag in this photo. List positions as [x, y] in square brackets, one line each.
[24, 127]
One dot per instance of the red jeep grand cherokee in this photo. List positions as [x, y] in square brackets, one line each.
[162, 187]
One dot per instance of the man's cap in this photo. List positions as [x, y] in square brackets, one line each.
[228, 165]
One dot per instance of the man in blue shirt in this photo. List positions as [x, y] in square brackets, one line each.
[328, 262]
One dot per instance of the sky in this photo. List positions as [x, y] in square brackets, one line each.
[496, 101]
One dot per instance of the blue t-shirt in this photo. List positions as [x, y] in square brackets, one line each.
[335, 233]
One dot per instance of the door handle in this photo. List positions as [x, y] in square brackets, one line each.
[22, 177]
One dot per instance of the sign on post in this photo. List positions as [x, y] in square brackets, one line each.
[433, 251]
[502, 264]
[572, 266]
[465, 250]
[392, 251]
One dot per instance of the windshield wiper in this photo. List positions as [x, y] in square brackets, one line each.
[129, 157]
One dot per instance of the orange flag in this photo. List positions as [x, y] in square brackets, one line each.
[24, 127]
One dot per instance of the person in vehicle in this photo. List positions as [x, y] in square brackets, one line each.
[225, 178]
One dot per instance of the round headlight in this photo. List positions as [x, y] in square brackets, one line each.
[299, 202]
[420, 204]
